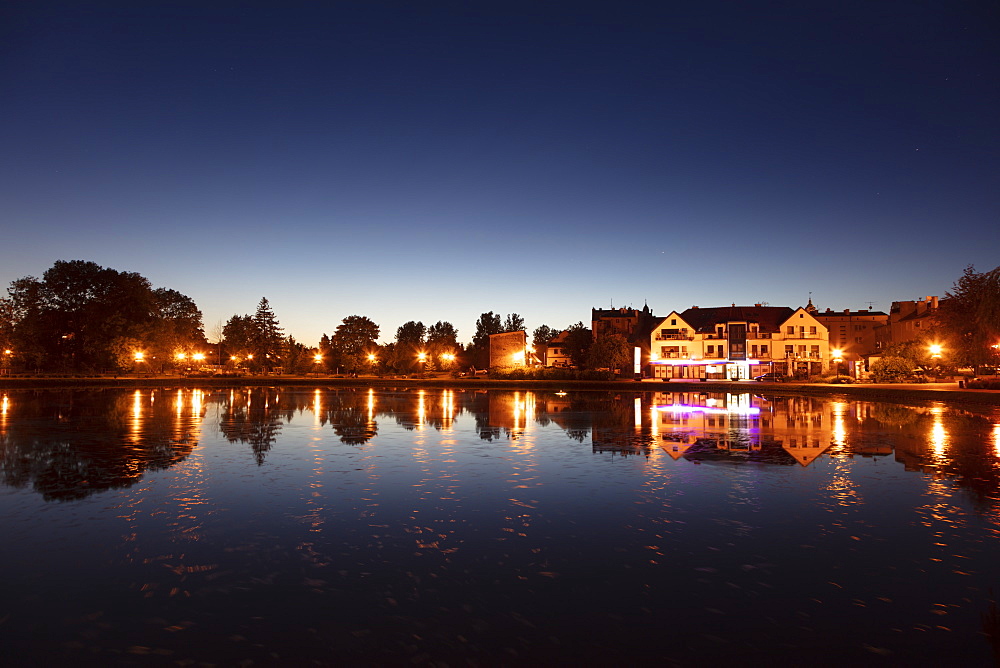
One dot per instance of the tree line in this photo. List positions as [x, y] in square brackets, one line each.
[81, 317]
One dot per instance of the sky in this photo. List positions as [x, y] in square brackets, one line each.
[437, 160]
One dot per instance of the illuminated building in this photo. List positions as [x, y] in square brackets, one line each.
[738, 342]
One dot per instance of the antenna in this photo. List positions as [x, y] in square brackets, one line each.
[871, 305]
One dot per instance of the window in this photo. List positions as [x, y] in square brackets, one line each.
[711, 351]
[673, 321]
[763, 350]
[753, 351]
[789, 350]
[917, 324]
[812, 330]
[814, 351]
[790, 329]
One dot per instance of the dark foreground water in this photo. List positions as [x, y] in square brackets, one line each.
[412, 527]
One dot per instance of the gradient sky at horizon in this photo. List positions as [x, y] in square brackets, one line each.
[433, 161]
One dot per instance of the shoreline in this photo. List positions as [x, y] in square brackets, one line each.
[882, 392]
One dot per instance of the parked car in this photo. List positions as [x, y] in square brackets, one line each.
[770, 377]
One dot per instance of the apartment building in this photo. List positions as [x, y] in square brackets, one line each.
[738, 342]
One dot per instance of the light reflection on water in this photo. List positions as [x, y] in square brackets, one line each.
[378, 526]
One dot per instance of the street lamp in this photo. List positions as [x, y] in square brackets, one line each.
[422, 358]
[838, 357]
[935, 350]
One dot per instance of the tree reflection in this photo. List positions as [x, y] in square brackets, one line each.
[253, 415]
[68, 445]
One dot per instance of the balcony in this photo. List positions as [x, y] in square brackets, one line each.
[674, 337]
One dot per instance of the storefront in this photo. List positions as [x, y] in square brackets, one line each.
[707, 369]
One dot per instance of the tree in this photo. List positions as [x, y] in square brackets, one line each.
[354, 339]
[889, 369]
[488, 323]
[442, 345]
[239, 337]
[77, 315]
[612, 351]
[442, 333]
[577, 344]
[969, 318]
[411, 333]
[540, 340]
[513, 323]
[268, 337]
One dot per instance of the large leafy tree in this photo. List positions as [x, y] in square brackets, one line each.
[969, 318]
[577, 343]
[612, 352]
[442, 344]
[79, 313]
[513, 323]
[411, 333]
[238, 334]
[487, 324]
[442, 333]
[354, 339]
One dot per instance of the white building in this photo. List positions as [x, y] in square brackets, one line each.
[737, 342]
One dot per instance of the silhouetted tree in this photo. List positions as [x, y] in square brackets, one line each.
[612, 351]
[969, 318]
[577, 343]
[354, 339]
[77, 315]
[411, 333]
[513, 323]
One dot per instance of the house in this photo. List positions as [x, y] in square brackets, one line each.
[738, 342]
[555, 352]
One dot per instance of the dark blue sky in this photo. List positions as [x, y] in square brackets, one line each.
[431, 161]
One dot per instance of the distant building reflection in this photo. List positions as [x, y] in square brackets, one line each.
[73, 443]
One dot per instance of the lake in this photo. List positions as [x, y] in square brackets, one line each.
[342, 526]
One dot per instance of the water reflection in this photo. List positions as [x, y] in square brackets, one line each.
[381, 527]
[70, 444]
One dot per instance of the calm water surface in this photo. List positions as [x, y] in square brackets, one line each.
[413, 527]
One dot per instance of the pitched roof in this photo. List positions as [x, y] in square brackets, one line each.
[768, 318]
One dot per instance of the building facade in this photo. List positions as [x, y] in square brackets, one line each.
[854, 333]
[738, 342]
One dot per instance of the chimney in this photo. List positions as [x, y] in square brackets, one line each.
[756, 305]
[934, 302]
[847, 311]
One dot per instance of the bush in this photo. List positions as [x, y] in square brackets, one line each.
[983, 384]
[891, 369]
[518, 373]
